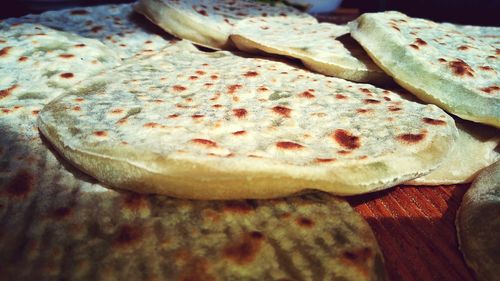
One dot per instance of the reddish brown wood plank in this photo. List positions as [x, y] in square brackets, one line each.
[415, 227]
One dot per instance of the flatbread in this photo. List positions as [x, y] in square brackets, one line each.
[38, 63]
[217, 126]
[322, 47]
[477, 147]
[57, 223]
[275, 29]
[438, 63]
[117, 26]
[478, 224]
[209, 23]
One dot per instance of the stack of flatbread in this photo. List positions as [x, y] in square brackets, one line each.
[103, 91]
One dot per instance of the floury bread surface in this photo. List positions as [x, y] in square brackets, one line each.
[218, 126]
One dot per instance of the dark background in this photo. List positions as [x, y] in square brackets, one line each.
[475, 12]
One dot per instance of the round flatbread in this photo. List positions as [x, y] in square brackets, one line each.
[117, 26]
[38, 63]
[210, 23]
[275, 29]
[478, 224]
[438, 63]
[218, 126]
[322, 47]
[477, 147]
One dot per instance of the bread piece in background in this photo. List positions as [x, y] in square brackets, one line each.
[478, 224]
[436, 62]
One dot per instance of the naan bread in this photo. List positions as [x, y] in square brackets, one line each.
[322, 47]
[476, 148]
[117, 26]
[218, 126]
[438, 63]
[210, 23]
[38, 63]
[276, 29]
[478, 224]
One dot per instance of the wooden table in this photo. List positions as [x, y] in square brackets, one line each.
[415, 228]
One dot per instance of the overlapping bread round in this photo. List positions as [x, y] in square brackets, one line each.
[38, 63]
[210, 23]
[476, 148]
[478, 224]
[116, 26]
[322, 47]
[437, 62]
[218, 126]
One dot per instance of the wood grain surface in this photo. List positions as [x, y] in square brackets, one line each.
[415, 227]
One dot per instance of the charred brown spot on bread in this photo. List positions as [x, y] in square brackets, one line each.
[233, 88]
[179, 88]
[486, 68]
[251, 74]
[4, 51]
[262, 89]
[420, 42]
[204, 142]
[6, 92]
[488, 90]
[80, 45]
[345, 139]
[200, 72]
[463, 48]
[431, 121]
[173, 116]
[66, 56]
[289, 145]
[411, 138]
[460, 68]
[79, 12]
[414, 46]
[21, 184]
[304, 222]
[193, 77]
[127, 235]
[35, 112]
[152, 125]
[324, 160]
[240, 207]
[360, 256]
[67, 75]
[283, 111]
[371, 101]
[365, 91]
[214, 77]
[239, 133]
[77, 108]
[22, 58]
[364, 110]
[240, 112]
[100, 133]
[441, 60]
[202, 12]
[96, 28]
[306, 94]
[340, 96]
[61, 213]
[135, 201]
[245, 250]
